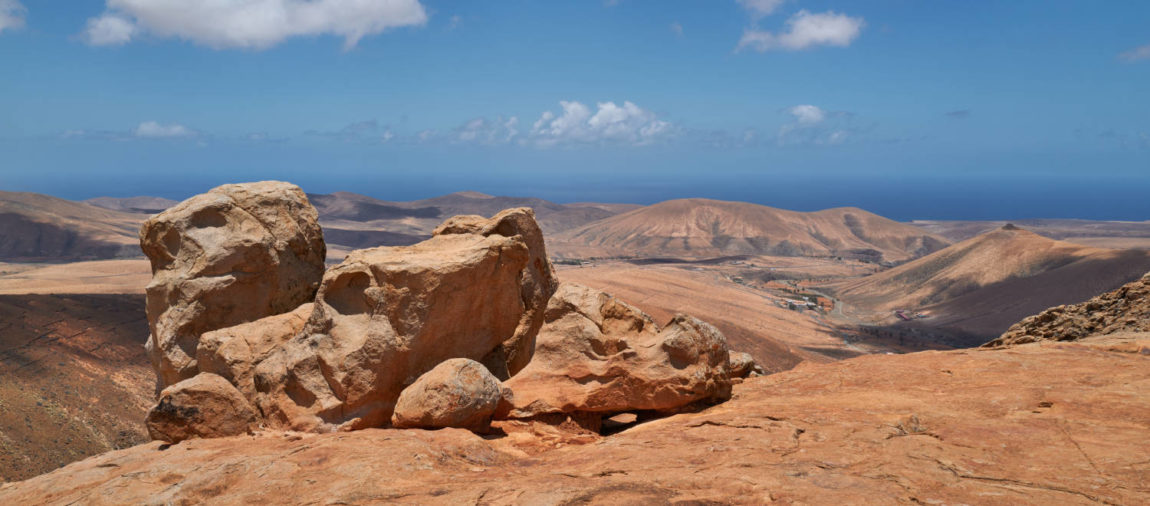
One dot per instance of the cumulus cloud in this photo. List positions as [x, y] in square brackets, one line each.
[109, 30]
[1137, 54]
[760, 8]
[155, 130]
[609, 123]
[813, 125]
[805, 30]
[12, 14]
[250, 24]
[484, 131]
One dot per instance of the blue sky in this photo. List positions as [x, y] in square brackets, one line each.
[909, 108]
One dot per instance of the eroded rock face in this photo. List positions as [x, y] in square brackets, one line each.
[1126, 309]
[205, 406]
[597, 354]
[383, 317]
[458, 393]
[232, 255]
[233, 352]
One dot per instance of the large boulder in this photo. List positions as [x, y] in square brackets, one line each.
[458, 393]
[384, 316]
[203, 406]
[597, 354]
[235, 254]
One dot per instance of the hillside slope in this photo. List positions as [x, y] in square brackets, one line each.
[358, 221]
[984, 284]
[39, 227]
[75, 382]
[701, 228]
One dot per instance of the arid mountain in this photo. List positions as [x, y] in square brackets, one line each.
[702, 228]
[36, 227]
[144, 205]
[1049, 423]
[358, 221]
[1124, 310]
[984, 284]
[76, 381]
[1103, 234]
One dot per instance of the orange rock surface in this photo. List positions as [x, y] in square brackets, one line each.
[1042, 423]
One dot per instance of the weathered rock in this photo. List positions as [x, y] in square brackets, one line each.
[1126, 309]
[232, 255]
[743, 365]
[204, 406]
[385, 316]
[233, 352]
[597, 354]
[458, 393]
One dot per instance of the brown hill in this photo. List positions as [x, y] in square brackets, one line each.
[359, 221]
[1126, 309]
[38, 227]
[144, 205]
[1106, 234]
[1037, 424]
[76, 381]
[983, 285]
[702, 228]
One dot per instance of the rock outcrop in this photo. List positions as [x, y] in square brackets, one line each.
[458, 393]
[384, 316]
[233, 352]
[599, 355]
[204, 406]
[1126, 309]
[232, 255]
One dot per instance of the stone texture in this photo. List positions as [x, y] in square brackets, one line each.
[743, 365]
[458, 393]
[232, 255]
[1126, 309]
[597, 354]
[1049, 423]
[204, 406]
[233, 352]
[384, 316]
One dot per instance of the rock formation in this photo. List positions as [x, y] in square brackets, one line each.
[1126, 309]
[203, 406]
[385, 316]
[597, 354]
[233, 352]
[457, 393]
[743, 365]
[232, 255]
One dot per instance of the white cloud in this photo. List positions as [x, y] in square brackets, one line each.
[812, 125]
[12, 14]
[805, 30]
[456, 22]
[252, 24]
[152, 129]
[611, 123]
[760, 8]
[109, 30]
[1136, 54]
[483, 131]
[677, 29]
